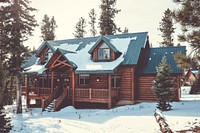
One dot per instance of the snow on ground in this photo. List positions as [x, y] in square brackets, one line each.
[138, 118]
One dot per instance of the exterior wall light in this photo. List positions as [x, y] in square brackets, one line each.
[98, 79]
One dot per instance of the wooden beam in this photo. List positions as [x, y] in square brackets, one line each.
[27, 91]
[109, 92]
[52, 80]
[132, 83]
[73, 88]
[55, 60]
[63, 62]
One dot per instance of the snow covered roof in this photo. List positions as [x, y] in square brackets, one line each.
[78, 51]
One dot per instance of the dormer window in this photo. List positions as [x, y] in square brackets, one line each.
[104, 52]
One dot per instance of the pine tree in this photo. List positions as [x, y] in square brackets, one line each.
[185, 61]
[167, 29]
[21, 25]
[107, 17]
[2, 79]
[92, 16]
[163, 85]
[4, 19]
[48, 28]
[80, 28]
[188, 16]
[5, 125]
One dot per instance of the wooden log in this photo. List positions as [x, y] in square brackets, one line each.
[164, 127]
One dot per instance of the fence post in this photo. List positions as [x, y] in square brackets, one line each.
[90, 93]
[43, 105]
[54, 104]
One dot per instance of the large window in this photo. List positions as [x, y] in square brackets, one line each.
[116, 81]
[84, 79]
[104, 52]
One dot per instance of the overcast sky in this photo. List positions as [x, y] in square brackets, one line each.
[136, 15]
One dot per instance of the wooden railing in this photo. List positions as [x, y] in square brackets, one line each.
[36, 90]
[58, 102]
[45, 103]
[94, 93]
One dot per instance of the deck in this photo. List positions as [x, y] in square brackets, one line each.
[80, 94]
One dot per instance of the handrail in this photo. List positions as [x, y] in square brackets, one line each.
[95, 93]
[50, 99]
[59, 101]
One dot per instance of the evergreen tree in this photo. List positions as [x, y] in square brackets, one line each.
[185, 61]
[163, 85]
[5, 125]
[167, 29]
[48, 28]
[2, 79]
[188, 16]
[21, 25]
[80, 28]
[92, 16]
[4, 19]
[108, 12]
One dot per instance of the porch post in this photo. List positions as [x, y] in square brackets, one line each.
[132, 84]
[73, 88]
[52, 80]
[27, 90]
[109, 92]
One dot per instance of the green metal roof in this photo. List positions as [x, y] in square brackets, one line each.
[131, 55]
[134, 49]
[152, 57]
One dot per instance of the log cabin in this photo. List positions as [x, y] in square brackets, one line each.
[111, 70]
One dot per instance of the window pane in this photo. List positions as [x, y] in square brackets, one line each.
[81, 81]
[100, 54]
[118, 82]
[106, 53]
[87, 81]
[112, 82]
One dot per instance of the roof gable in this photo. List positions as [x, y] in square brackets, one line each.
[45, 44]
[60, 53]
[107, 41]
[152, 57]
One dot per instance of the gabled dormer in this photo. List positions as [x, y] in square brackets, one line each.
[44, 52]
[104, 50]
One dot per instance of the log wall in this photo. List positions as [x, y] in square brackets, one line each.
[144, 85]
[127, 83]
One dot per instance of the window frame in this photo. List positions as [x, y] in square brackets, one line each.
[84, 77]
[104, 49]
[115, 84]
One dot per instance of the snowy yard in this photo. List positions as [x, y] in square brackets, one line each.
[138, 118]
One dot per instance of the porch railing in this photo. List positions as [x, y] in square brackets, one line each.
[94, 93]
[36, 90]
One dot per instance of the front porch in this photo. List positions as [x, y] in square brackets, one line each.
[86, 95]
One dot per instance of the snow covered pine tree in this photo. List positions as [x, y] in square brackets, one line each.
[163, 85]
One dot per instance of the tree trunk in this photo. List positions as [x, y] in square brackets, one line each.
[19, 95]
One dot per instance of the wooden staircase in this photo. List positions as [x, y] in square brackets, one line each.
[58, 102]
[50, 107]
[54, 103]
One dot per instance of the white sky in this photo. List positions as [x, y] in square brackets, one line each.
[137, 15]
